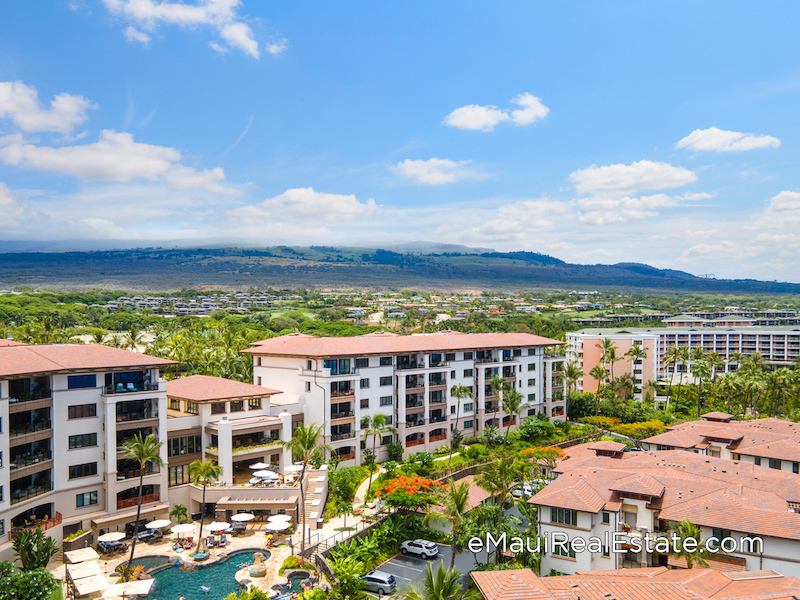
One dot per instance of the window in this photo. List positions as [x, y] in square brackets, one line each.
[795, 467]
[531, 351]
[82, 411]
[467, 406]
[720, 534]
[86, 499]
[561, 551]
[775, 463]
[564, 515]
[1, 494]
[452, 410]
[362, 363]
[450, 356]
[174, 404]
[254, 404]
[258, 380]
[517, 352]
[531, 412]
[84, 470]
[308, 386]
[468, 372]
[2, 526]
[386, 440]
[183, 445]
[386, 400]
[467, 424]
[86, 440]
[606, 551]
[386, 380]
[258, 361]
[467, 355]
[452, 374]
[758, 460]
[218, 408]
[531, 366]
[237, 405]
[364, 384]
[386, 361]
[531, 397]
[364, 424]
[365, 403]
[192, 408]
[274, 459]
[75, 382]
[308, 365]
[606, 518]
[179, 475]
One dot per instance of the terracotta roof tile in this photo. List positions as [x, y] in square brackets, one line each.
[4, 343]
[202, 388]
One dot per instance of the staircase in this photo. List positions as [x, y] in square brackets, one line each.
[309, 488]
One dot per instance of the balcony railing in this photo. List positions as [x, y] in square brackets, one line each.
[341, 393]
[129, 388]
[30, 492]
[343, 414]
[436, 438]
[414, 403]
[245, 449]
[510, 359]
[30, 428]
[492, 408]
[416, 442]
[435, 382]
[401, 367]
[437, 400]
[26, 461]
[442, 419]
[139, 415]
[487, 359]
[348, 456]
[43, 525]
[131, 473]
[441, 363]
[37, 394]
[336, 437]
[146, 499]
[415, 423]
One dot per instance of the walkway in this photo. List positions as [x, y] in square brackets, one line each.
[361, 492]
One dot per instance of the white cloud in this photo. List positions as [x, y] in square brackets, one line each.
[714, 139]
[300, 204]
[721, 250]
[134, 35]
[114, 157]
[436, 171]
[278, 47]
[220, 15]
[517, 220]
[9, 208]
[620, 179]
[218, 48]
[486, 118]
[20, 104]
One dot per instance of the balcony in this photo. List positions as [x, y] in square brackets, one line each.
[417, 423]
[32, 491]
[417, 442]
[441, 419]
[415, 403]
[438, 437]
[492, 407]
[510, 359]
[410, 365]
[123, 388]
[28, 460]
[37, 394]
[350, 371]
[439, 363]
[247, 449]
[36, 427]
[343, 393]
[338, 437]
[348, 456]
[146, 499]
[343, 414]
[43, 524]
[437, 401]
[133, 473]
[137, 415]
[485, 360]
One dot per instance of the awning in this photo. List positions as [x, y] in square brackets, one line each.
[81, 555]
[140, 587]
[90, 585]
[83, 570]
[228, 503]
[128, 516]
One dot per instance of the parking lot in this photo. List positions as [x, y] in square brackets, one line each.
[410, 569]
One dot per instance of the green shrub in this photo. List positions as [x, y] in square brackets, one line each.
[75, 535]
[293, 562]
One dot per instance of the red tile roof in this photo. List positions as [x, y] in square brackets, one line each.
[54, 358]
[607, 446]
[657, 583]
[299, 344]
[202, 388]
[639, 483]
[722, 563]
[5, 343]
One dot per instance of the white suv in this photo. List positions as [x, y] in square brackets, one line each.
[424, 548]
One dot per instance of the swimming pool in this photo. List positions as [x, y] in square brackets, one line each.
[172, 582]
[148, 562]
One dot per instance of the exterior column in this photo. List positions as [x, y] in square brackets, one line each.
[286, 435]
[225, 450]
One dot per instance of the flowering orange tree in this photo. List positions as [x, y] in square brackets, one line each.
[409, 492]
[544, 457]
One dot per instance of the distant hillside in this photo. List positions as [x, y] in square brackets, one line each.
[341, 267]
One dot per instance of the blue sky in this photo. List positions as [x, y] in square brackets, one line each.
[664, 133]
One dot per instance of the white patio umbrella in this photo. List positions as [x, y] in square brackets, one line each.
[140, 587]
[90, 585]
[293, 468]
[279, 526]
[113, 536]
[158, 524]
[279, 519]
[82, 570]
[259, 465]
[184, 528]
[266, 474]
[81, 555]
[218, 526]
[242, 517]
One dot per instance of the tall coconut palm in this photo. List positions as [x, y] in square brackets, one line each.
[376, 425]
[637, 354]
[459, 392]
[145, 451]
[572, 373]
[454, 504]
[684, 357]
[513, 402]
[609, 356]
[599, 374]
[442, 585]
[702, 371]
[305, 445]
[201, 473]
[497, 478]
[671, 358]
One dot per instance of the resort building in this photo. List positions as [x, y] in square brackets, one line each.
[341, 381]
[772, 443]
[727, 336]
[237, 425]
[601, 491]
[655, 583]
[65, 411]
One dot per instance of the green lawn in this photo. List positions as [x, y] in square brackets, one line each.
[57, 593]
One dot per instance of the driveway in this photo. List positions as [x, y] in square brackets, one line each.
[409, 569]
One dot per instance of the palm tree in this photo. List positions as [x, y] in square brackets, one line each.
[512, 405]
[201, 472]
[145, 451]
[671, 357]
[685, 530]
[180, 513]
[459, 392]
[454, 505]
[304, 446]
[497, 478]
[572, 373]
[702, 370]
[442, 585]
[637, 354]
[683, 356]
[599, 374]
[609, 356]
[375, 425]
[342, 509]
